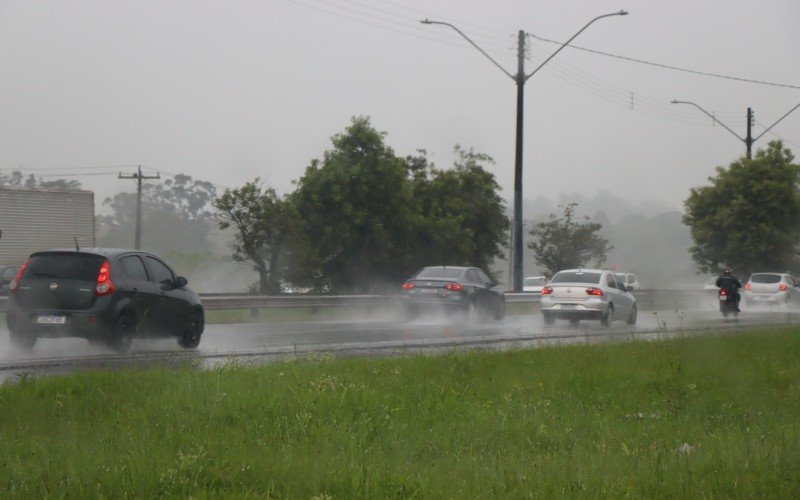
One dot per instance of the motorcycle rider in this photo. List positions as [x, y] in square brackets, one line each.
[731, 284]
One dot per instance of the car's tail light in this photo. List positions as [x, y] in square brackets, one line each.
[722, 291]
[454, 287]
[593, 290]
[547, 290]
[408, 286]
[783, 287]
[104, 284]
[748, 286]
[14, 285]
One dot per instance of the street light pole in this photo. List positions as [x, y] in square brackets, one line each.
[520, 78]
[748, 140]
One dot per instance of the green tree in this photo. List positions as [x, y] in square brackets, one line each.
[747, 219]
[358, 210]
[564, 243]
[17, 179]
[176, 216]
[266, 231]
[461, 216]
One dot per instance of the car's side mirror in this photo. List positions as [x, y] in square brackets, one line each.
[181, 282]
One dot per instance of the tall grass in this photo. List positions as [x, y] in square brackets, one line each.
[713, 416]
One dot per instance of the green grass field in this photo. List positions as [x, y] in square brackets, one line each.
[712, 416]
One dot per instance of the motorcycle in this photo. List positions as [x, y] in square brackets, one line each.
[727, 303]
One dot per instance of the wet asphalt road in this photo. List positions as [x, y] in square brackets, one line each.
[386, 334]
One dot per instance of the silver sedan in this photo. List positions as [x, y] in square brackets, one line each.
[577, 294]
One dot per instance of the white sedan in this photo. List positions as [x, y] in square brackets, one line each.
[577, 294]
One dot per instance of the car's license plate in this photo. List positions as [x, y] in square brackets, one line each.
[569, 306]
[428, 290]
[723, 298]
[51, 320]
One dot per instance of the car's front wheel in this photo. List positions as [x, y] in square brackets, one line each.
[190, 338]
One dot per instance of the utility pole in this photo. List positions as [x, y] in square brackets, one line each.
[748, 140]
[139, 177]
[520, 78]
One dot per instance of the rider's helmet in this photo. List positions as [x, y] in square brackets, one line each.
[726, 271]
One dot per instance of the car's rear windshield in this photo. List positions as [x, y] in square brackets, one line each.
[440, 272]
[765, 278]
[576, 277]
[64, 265]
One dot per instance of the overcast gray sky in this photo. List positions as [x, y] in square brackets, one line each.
[227, 91]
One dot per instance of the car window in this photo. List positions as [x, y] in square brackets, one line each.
[483, 277]
[160, 273]
[472, 276]
[611, 281]
[440, 272]
[576, 277]
[64, 265]
[134, 268]
[765, 278]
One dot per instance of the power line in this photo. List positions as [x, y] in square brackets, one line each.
[667, 66]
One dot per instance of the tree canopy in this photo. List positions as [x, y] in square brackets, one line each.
[266, 231]
[747, 218]
[175, 216]
[564, 243]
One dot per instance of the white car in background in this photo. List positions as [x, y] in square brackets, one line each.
[576, 294]
[770, 288]
[534, 284]
[628, 279]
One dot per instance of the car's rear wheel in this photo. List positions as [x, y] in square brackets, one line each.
[549, 320]
[22, 340]
[574, 321]
[190, 338]
[608, 317]
[632, 318]
[500, 311]
[121, 336]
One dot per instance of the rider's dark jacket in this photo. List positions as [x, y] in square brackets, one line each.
[729, 283]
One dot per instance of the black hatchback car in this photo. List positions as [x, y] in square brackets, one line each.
[103, 295]
[454, 288]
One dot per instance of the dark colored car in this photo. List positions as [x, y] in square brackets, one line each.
[452, 288]
[7, 274]
[103, 295]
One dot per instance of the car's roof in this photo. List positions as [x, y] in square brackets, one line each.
[584, 271]
[106, 252]
[448, 267]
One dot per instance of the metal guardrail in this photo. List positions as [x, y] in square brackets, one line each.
[219, 301]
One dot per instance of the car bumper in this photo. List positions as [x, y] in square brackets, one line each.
[565, 309]
[765, 298]
[75, 323]
[436, 301]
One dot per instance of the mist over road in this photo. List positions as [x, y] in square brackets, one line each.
[374, 335]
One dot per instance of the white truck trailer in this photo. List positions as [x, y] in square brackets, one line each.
[33, 219]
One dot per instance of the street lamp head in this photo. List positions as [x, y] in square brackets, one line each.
[623, 13]
[426, 21]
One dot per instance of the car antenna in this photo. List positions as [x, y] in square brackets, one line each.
[77, 248]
